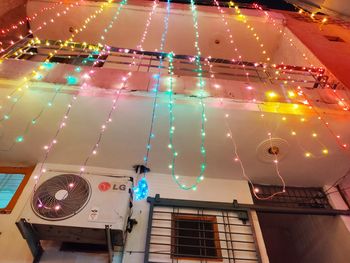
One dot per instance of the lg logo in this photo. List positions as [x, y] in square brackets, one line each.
[105, 186]
[120, 187]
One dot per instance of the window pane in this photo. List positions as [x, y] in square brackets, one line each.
[194, 237]
[8, 187]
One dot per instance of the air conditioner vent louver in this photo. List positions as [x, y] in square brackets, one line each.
[61, 197]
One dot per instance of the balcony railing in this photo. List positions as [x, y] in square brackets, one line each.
[84, 54]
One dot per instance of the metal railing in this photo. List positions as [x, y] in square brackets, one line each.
[146, 61]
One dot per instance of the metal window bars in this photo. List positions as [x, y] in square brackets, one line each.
[294, 197]
[232, 233]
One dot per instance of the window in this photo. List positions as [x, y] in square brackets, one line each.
[12, 183]
[195, 238]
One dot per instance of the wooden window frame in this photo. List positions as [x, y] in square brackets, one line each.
[27, 171]
[210, 219]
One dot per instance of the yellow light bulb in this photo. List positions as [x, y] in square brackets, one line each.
[325, 151]
[271, 94]
[291, 94]
[307, 155]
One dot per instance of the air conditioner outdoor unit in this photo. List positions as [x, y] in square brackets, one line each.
[92, 208]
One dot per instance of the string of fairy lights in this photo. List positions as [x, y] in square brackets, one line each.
[230, 134]
[22, 22]
[86, 76]
[16, 39]
[201, 95]
[307, 101]
[115, 98]
[141, 189]
[36, 73]
[32, 121]
[291, 94]
[341, 100]
[299, 92]
[46, 66]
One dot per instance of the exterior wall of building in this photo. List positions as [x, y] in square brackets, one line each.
[212, 189]
[332, 54]
[216, 190]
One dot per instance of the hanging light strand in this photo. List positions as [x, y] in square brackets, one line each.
[48, 148]
[271, 94]
[22, 22]
[37, 73]
[31, 122]
[306, 99]
[44, 24]
[117, 93]
[238, 159]
[141, 188]
[230, 134]
[201, 85]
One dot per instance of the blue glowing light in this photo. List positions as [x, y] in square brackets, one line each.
[48, 65]
[141, 190]
[71, 80]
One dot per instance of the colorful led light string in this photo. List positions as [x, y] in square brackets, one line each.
[324, 151]
[341, 102]
[237, 158]
[143, 38]
[307, 100]
[22, 22]
[299, 92]
[230, 134]
[201, 84]
[307, 154]
[141, 188]
[48, 148]
[44, 24]
[117, 93]
[36, 74]
[34, 120]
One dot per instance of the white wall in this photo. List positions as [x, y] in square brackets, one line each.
[291, 52]
[219, 190]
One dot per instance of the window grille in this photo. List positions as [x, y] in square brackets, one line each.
[223, 234]
[294, 197]
[194, 237]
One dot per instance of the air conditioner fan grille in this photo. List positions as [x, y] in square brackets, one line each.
[61, 197]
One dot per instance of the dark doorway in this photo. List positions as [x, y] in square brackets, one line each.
[305, 238]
